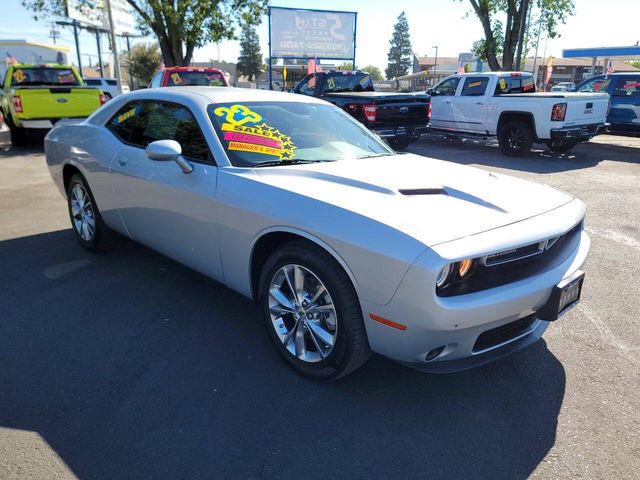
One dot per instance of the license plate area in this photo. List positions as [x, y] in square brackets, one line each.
[564, 297]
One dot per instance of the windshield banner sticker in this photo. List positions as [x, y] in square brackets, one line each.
[257, 138]
[123, 117]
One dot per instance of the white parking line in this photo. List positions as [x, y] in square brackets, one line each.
[616, 237]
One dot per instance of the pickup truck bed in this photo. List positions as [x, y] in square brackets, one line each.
[400, 118]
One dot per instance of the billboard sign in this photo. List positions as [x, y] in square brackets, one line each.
[93, 12]
[299, 33]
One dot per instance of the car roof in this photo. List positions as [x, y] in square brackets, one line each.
[191, 69]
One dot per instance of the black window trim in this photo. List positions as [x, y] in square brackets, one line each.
[212, 161]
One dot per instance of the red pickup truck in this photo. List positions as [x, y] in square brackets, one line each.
[189, 76]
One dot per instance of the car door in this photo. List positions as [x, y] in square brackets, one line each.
[625, 104]
[161, 207]
[441, 104]
[470, 107]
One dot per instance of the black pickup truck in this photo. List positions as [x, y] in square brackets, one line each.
[400, 118]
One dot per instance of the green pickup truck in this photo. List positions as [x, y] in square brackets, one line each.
[38, 96]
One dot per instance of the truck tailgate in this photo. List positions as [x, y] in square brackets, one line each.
[585, 109]
[58, 102]
[402, 109]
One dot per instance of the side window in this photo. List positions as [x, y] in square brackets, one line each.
[627, 87]
[90, 81]
[155, 83]
[140, 123]
[308, 86]
[128, 123]
[474, 86]
[448, 87]
[595, 85]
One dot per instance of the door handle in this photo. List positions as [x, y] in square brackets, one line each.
[447, 101]
[479, 103]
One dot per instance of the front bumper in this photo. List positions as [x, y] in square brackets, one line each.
[508, 314]
[411, 131]
[579, 132]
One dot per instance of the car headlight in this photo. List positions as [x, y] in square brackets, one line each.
[443, 276]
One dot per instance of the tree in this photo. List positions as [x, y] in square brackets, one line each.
[250, 59]
[500, 21]
[179, 25]
[143, 61]
[347, 66]
[374, 71]
[400, 52]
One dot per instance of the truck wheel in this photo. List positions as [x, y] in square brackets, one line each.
[400, 143]
[515, 139]
[19, 136]
[561, 146]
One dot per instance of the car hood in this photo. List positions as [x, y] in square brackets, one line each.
[433, 201]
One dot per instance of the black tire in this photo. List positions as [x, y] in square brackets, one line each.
[515, 139]
[19, 136]
[351, 347]
[102, 238]
[400, 143]
[561, 146]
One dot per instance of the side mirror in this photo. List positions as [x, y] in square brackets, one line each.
[431, 91]
[168, 150]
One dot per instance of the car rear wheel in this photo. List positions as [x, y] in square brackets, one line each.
[515, 139]
[312, 312]
[19, 136]
[561, 146]
[86, 221]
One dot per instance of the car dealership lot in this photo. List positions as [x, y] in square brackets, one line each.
[128, 365]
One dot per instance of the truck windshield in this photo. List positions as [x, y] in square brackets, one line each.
[348, 82]
[515, 83]
[281, 133]
[27, 76]
[205, 79]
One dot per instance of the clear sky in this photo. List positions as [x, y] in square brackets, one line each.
[449, 24]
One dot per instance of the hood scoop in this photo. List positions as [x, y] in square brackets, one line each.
[423, 191]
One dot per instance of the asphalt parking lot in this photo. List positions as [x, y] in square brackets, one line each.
[128, 365]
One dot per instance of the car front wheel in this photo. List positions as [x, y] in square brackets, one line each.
[85, 217]
[312, 312]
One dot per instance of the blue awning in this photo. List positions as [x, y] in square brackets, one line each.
[601, 52]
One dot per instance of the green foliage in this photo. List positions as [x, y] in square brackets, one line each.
[500, 21]
[400, 52]
[635, 63]
[143, 61]
[179, 25]
[346, 66]
[374, 71]
[250, 59]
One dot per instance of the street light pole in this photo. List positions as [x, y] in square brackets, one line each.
[112, 37]
[435, 63]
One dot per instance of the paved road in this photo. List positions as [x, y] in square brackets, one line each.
[127, 365]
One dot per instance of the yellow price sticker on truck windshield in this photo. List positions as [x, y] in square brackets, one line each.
[474, 84]
[503, 84]
[176, 78]
[19, 76]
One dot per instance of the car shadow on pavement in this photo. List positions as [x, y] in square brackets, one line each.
[132, 366]
[539, 160]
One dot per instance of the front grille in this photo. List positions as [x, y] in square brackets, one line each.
[503, 333]
[514, 254]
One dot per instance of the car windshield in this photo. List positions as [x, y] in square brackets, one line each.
[24, 76]
[206, 79]
[281, 133]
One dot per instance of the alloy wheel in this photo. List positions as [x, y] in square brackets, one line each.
[84, 220]
[302, 313]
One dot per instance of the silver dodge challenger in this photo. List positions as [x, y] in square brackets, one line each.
[347, 246]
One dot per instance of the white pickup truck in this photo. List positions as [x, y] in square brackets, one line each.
[505, 105]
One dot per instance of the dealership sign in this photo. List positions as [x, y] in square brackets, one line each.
[93, 12]
[298, 33]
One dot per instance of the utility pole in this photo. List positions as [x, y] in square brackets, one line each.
[112, 37]
[100, 66]
[523, 23]
[54, 33]
[76, 34]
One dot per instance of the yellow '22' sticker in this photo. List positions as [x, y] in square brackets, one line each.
[19, 76]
